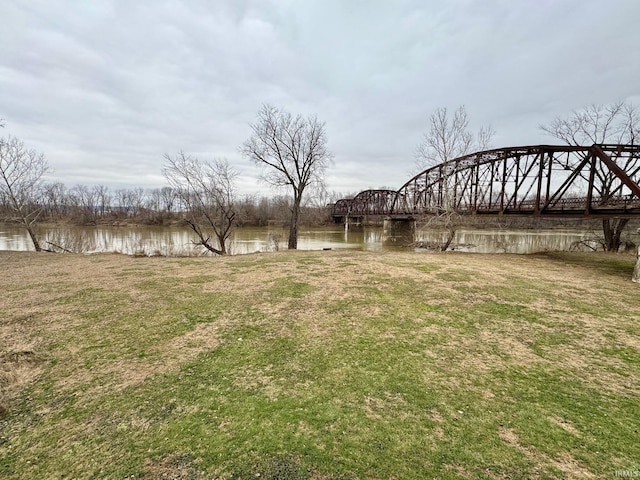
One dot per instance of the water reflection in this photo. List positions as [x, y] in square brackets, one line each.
[508, 241]
[178, 241]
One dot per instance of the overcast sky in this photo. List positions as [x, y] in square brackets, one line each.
[105, 88]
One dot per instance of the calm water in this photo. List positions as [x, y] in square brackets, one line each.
[178, 241]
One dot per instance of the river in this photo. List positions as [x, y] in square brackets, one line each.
[150, 240]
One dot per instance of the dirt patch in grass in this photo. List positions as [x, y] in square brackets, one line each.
[256, 379]
[565, 462]
[564, 424]
[203, 338]
[173, 467]
[20, 367]
[388, 406]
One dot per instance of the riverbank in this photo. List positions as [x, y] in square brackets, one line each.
[337, 364]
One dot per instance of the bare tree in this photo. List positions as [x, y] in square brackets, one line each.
[21, 175]
[168, 199]
[207, 191]
[136, 200]
[317, 206]
[448, 138]
[596, 124]
[160, 204]
[55, 200]
[84, 200]
[293, 153]
[130, 201]
[103, 199]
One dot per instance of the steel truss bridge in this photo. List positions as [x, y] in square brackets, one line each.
[543, 180]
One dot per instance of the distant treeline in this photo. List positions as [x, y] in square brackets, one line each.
[84, 205]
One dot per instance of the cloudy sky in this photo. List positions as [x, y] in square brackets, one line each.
[105, 87]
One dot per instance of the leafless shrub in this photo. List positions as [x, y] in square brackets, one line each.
[274, 241]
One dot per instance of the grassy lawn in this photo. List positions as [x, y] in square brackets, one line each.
[319, 365]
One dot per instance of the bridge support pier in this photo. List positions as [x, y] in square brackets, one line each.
[351, 221]
[399, 231]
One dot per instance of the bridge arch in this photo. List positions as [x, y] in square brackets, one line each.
[545, 180]
[341, 208]
[365, 203]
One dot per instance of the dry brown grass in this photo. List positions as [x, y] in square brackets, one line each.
[571, 469]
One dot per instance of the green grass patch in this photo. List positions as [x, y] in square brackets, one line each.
[455, 276]
[288, 287]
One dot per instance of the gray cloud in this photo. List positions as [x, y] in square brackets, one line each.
[104, 88]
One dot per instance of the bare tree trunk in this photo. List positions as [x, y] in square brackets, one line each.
[34, 238]
[612, 229]
[294, 223]
[449, 239]
[636, 270]
[226, 223]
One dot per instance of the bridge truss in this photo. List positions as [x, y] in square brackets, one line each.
[367, 203]
[543, 180]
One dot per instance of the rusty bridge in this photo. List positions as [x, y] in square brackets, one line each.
[543, 180]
